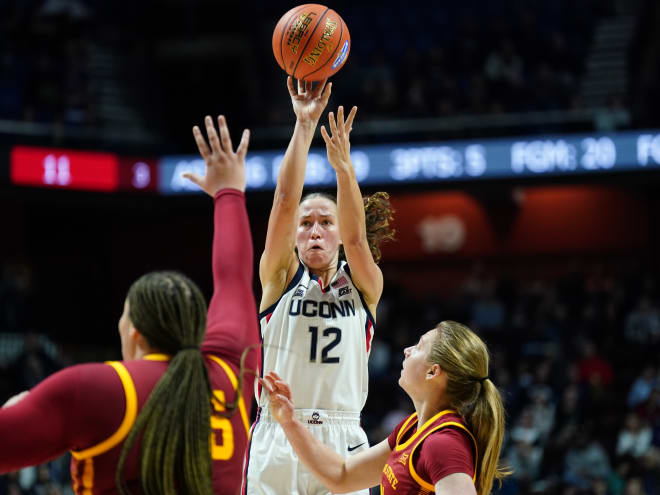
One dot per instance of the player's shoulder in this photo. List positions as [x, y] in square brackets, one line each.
[447, 438]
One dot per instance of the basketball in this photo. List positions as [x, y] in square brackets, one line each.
[311, 42]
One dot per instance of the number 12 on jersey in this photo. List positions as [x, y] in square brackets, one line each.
[313, 345]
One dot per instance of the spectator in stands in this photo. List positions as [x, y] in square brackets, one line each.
[642, 386]
[643, 324]
[586, 461]
[634, 438]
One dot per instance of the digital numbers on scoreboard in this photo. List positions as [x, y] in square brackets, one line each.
[59, 168]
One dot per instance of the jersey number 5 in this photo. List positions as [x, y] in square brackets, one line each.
[324, 352]
[221, 428]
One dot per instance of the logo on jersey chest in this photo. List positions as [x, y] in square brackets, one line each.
[403, 458]
[343, 291]
[323, 309]
[340, 282]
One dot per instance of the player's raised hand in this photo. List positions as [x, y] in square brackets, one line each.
[279, 395]
[224, 167]
[338, 145]
[309, 103]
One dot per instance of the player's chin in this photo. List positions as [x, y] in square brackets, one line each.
[316, 259]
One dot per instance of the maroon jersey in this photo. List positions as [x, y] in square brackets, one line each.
[422, 456]
[89, 409]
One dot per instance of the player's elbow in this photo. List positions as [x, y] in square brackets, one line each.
[340, 482]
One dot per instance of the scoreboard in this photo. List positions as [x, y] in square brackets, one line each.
[397, 163]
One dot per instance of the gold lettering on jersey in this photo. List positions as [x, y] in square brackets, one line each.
[298, 30]
[389, 474]
[403, 458]
[221, 429]
[324, 42]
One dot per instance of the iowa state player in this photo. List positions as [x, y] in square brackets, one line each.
[450, 445]
[316, 310]
[146, 423]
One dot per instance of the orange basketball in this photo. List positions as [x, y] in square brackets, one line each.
[311, 42]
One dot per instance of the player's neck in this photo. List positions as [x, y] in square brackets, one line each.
[325, 274]
[429, 408]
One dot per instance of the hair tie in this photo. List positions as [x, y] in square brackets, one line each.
[481, 380]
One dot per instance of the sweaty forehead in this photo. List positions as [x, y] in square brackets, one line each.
[317, 206]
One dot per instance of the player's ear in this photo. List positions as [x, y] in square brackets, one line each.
[434, 371]
[138, 339]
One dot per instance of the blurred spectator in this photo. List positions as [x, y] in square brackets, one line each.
[634, 438]
[33, 364]
[525, 460]
[586, 461]
[643, 324]
[642, 386]
[594, 369]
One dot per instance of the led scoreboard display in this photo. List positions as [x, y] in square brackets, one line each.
[396, 163]
[402, 163]
[69, 169]
[81, 170]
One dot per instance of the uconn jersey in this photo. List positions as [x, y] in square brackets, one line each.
[318, 340]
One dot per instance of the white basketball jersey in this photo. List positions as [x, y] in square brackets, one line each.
[318, 340]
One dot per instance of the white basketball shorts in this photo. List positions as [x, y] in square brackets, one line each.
[272, 468]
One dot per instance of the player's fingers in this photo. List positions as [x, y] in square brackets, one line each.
[284, 388]
[289, 85]
[325, 136]
[213, 135]
[348, 126]
[193, 177]
[333, 125]
[201, 143]
[265, 385]
[319, 89]
[275, 375]
[340, 121]
[308, 86]
[326, 92]
[301, 88]
[285, 400]
[224, 134]
[241, 151]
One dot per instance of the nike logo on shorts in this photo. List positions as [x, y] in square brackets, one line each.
[351, 449]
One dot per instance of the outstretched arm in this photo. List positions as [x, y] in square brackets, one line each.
[231, 322]
[278, 260]
[338, 474]
[350, 209]
[75, 408]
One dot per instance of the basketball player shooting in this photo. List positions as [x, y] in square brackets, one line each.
[317, 308]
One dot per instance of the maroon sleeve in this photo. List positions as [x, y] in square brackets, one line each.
[445, 452]
[232, 316]
[74, 408]
[391, 439]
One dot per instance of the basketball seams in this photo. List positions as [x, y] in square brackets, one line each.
[285, 30]
[321, 17]
[337, 45]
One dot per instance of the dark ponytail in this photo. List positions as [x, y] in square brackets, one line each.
[169, 310]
